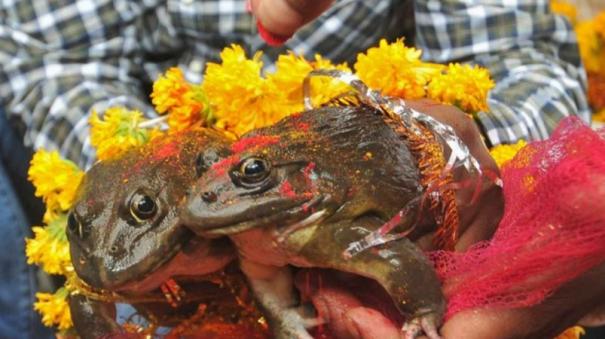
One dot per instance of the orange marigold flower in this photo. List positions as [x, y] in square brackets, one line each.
[395, 70]
[463, 86]
[185, 103]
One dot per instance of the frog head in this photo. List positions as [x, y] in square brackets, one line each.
[328, 163]
[125, 223]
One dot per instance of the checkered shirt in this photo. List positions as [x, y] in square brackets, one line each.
[61, 59]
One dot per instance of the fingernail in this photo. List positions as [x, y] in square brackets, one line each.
[270, 38]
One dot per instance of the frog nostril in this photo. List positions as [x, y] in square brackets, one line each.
[209, 196]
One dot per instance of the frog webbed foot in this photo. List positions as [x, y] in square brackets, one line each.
[425, 324]
[291, 324]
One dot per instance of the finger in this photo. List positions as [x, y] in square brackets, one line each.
[478, 219]
[464, 126]
[367, 323]
[285, 17]
[558, 312]
[484, 219]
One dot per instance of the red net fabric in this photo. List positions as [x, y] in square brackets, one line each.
[553, 228]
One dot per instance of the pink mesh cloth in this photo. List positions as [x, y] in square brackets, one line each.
[552, 231]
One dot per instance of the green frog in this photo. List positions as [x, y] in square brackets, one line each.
[126, 237]
[298, 193]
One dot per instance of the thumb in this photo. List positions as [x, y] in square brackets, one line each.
[367, 323]
[285, 17]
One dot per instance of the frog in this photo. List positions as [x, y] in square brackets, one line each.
[300, 192]
[125, 235]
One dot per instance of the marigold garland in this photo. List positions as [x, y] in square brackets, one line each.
[186, 103]
[56, 181]
[395, 70]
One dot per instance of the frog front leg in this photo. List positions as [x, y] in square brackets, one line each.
[274, 290]
[93, 318]
[399, 266]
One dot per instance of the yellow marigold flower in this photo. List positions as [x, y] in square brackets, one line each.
[49, 248]
[592, 45]
[185, 103]
[241, 99]
[291, 70]
[117, 132]
[565, 9]
[395, 70]
[463, 86]
[571, 333]
[55, 180]
[504, 153]
[54, 309]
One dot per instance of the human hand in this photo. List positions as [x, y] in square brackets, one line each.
[581, 300]
[348, 317]
[344, 311]
[479, 218]
[285, 17]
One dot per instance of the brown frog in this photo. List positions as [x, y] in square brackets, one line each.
[301, 191]
[125, 235]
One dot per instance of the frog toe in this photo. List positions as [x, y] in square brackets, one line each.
[291, 325]
[426, 325]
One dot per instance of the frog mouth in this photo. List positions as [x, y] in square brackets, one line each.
[286, 217]
[187, 259]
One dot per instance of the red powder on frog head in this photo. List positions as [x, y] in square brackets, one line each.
[302, 126]
[222, 166]
[166, 150]
[287, 191]
[253, 142]
[169, 149]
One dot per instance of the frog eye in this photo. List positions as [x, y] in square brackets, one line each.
[75, 226]
[142, 207]
[253, 170]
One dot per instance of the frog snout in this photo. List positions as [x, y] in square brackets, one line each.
[208, 197]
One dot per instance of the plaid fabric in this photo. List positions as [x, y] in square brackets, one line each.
[61, 59]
